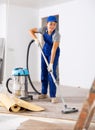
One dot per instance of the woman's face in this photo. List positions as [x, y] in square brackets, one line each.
[51, 26]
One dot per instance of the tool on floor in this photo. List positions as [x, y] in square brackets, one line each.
[87, 111]
[66, 109]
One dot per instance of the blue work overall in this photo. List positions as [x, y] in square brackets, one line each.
[45, 75]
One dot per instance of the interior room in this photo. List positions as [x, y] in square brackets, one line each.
[75, 80]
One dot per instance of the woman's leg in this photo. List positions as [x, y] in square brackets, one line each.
[44, 76]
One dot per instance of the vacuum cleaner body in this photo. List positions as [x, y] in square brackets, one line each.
[20, 83]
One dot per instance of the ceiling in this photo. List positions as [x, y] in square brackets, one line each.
[35, 3]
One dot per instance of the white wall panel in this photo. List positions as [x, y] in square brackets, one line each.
[20, 20]
[77, 28]
[2, 20]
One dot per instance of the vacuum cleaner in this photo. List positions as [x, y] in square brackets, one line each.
[19, 79]
[66, 109]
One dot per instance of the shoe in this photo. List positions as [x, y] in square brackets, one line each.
[54, 100]
[42, 96]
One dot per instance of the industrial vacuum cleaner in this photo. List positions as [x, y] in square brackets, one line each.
[20, 83]
[17, 84]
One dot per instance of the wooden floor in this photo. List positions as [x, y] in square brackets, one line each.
[42, 125]
[52, 118]
[73, 97]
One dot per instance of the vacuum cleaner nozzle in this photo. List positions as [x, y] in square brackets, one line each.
[69, 110]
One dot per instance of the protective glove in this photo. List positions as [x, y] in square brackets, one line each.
[37, 42]
[50, 67]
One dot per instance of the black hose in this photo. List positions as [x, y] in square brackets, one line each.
[7, 83]
[27, 60]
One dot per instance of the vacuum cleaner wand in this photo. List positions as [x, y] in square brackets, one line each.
[66, 108]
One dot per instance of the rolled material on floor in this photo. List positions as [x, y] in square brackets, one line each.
[9, 103]
[15, 104]
[27, 105]
[15, 108]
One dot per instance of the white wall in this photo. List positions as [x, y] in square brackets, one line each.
[20, 20]
[77, 28]
[76, 25]
[2, 20]
[3, 26]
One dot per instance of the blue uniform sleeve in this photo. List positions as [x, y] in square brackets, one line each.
[56, 37]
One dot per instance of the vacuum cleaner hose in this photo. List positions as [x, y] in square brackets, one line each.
[27, 65]
[7, 83]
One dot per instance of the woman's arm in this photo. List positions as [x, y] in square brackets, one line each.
[53, 52]
[32, 33]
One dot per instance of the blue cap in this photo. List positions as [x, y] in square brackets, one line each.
[51, 19]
